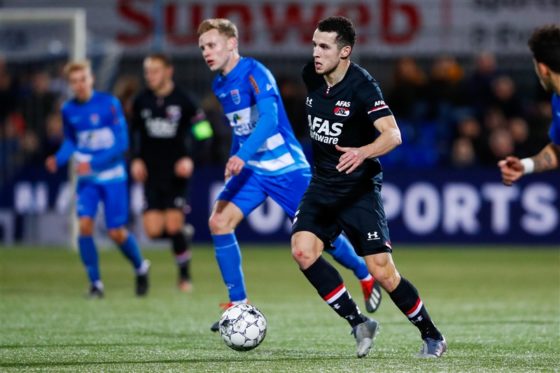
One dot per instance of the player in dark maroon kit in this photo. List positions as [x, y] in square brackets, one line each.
[164, 119]
[351, 126]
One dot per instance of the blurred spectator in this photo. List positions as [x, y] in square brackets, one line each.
[504, 96]
[8, 91]
[469, 127]
[39, 103]
[479, 83]
[463, 154]
[30, 150]
[406, 96]
[11, 131]
[446, 89]
[501, 145]
[126, 88]
[54, 134]
[493, 119]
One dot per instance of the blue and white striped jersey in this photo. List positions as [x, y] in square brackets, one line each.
[264, 139]
[96, 132]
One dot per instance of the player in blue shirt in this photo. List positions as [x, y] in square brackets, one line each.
[95, 136]
[545, 46]
[266, 158]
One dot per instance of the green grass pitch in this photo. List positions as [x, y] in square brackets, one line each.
[499, 309]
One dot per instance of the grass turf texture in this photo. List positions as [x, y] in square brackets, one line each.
[499, 309]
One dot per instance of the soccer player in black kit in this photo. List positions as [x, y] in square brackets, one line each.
[351, 125]
[164, 120]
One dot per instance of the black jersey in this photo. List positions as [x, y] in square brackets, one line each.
[342, 115]
[160, 129]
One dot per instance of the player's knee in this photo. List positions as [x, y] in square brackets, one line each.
[153, 232]
[303, 254]
[86, 227]
[118, 235]
[172, 228]
[388, 277]
[219, 224]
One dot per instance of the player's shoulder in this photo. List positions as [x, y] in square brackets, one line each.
[358, 75]
[68, 105]
[104, 98]
[255, 68]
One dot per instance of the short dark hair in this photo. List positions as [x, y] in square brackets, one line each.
[344, 28]
[164, 58]
[545, 45]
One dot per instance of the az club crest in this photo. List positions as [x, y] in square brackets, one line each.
[341, 111]
[173, 113]
[94, 119]
[235, 96]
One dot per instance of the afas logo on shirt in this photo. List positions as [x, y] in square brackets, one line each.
[378, 105]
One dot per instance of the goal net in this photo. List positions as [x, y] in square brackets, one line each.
[34, 45]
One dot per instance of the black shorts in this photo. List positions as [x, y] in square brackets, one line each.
[165, 194]
[361, 217]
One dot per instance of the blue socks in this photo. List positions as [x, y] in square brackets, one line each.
[228, 256]
[345, 254]
[88, 254]
[131, 250]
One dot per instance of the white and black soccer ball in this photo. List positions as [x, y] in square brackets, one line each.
[242, 327]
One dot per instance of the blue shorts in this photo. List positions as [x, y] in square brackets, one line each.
[248, 190]
[115, 201]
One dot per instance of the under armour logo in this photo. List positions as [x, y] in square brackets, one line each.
[309, 101]
[372, 236]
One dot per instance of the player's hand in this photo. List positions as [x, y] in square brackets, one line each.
[511, 169]
[227, 175]
[234, 165]
[184, 167]
[350, 159]
[50, 164]
[83, 168]
[138, 170]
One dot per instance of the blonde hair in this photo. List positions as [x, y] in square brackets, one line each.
[76, 66]
[224, 27]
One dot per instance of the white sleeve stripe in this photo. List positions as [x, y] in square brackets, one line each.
[272, 143]
[274, 164]
[377, 109]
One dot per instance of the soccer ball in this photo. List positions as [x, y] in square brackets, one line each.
[242, 327]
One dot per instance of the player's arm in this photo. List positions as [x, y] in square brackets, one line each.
[266, 124]
[120, 146]
[548, 158]
[389, 138]
[513, 168]
[66, 150]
